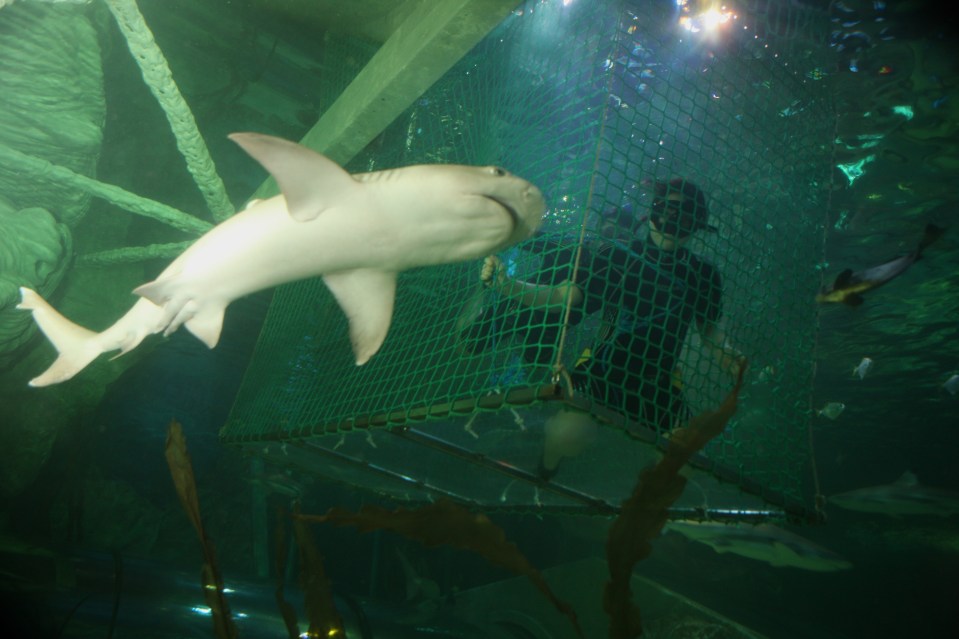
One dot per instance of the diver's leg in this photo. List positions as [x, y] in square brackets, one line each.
[568, 431]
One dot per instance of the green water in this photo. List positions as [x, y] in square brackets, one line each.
[83, 468]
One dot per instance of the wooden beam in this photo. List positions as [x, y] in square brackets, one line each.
[433, 37]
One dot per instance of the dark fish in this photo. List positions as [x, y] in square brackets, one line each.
[849, 287]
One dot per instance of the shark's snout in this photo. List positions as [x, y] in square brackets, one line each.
[525, 204]
[534, 196]
[533, 209]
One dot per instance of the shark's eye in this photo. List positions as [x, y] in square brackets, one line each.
[498, 172]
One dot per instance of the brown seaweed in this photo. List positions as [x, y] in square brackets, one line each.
[325, 621]
[181, 469]
[446, 522]
[644, 513]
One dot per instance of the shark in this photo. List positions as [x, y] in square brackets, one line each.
[849, 286]
[357, 232]
[763, 542]
[904, 497]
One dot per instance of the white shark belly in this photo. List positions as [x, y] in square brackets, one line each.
[263, 247]
[260, 248]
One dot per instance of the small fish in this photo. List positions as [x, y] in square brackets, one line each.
[765, 542]
[792, 109]
[863, 368]
[905, 496]
[767, 374]
[952, 385]
[832, 410]
[849, 286]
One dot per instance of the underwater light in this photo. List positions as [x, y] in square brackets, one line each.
[707, 20]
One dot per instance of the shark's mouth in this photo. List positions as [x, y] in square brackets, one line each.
[509, 209]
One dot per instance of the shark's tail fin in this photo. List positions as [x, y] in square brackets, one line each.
[77, 346]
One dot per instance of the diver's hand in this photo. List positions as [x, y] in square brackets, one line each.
[733, 362]
[738, 367]
[730, 360]
[493, 272]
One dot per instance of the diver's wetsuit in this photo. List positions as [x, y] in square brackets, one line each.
[654, 295]
[539, 330]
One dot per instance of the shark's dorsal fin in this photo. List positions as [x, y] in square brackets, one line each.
[931, 234]
[908, 479]
[309, 181]
[366, 296]
[842, 280]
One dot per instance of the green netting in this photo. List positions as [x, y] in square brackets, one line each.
[594, 102]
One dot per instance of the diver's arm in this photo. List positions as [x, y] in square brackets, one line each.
[551, 298]
[714, 340]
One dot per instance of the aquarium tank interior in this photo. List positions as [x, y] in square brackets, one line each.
[478, 318]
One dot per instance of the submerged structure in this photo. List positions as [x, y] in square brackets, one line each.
[595, 103]
[592, 102]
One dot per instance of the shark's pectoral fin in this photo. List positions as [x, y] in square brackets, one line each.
[309, 181]
[366, 296]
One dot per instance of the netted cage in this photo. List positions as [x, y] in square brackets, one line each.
[614, 109]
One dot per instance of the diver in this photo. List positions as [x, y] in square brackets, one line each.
[650, 292]
[612, 228]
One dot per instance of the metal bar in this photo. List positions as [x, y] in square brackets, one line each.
[503, 468]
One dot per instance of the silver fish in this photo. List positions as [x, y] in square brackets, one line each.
[863, 368]
[952, 385]
[832, 410]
